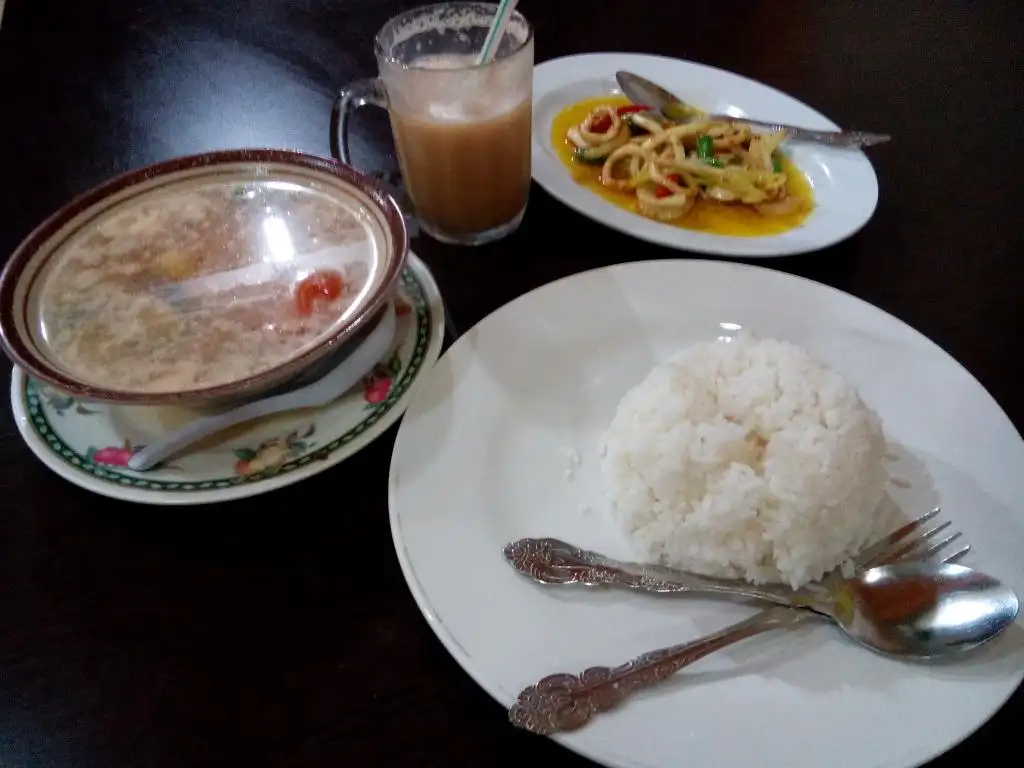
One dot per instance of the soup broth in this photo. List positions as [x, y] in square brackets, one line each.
[205, 285]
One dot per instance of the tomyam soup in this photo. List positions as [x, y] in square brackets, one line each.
[204, 283]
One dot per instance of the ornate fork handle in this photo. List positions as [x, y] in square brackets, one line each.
[566, 702]
[553, 561]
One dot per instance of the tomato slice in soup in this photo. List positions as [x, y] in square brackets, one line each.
[323, 285]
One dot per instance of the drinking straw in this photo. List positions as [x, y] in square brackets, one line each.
[497, 30]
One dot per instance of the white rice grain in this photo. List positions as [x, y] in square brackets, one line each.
[746, 460]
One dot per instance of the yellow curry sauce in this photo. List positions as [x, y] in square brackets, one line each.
[717, 218]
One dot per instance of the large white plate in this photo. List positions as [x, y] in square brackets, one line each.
[480, 460]
[845, 186]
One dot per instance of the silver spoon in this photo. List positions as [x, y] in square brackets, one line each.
[321, 392]
[640, 90]
[922, 610]
[912, 610]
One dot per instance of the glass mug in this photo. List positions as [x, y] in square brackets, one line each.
[462, 130]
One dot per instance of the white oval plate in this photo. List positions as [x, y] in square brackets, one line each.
[483, 458]
[844, 183]
[89, 444]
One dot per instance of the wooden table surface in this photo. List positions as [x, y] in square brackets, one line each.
[278, 631]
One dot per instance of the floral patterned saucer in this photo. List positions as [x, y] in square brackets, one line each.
[89, 444]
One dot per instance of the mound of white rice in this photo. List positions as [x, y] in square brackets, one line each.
[746, 459]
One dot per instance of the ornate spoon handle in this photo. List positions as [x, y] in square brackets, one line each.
[553, 561]
[566, 702]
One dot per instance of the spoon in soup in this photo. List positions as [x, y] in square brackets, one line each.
[324, 390]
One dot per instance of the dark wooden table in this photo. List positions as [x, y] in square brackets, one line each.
[278, 631]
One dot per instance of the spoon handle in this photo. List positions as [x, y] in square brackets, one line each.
[840, 139]
[566, 702]
[179, 439]
[553, 561]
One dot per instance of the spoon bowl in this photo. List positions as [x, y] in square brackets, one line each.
[922, 610]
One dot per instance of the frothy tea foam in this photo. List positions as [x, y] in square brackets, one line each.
[434, 74]
[450, 88]
[444, 61]
[454, 18]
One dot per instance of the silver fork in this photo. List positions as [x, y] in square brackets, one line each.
[565, 702]
[556, 562]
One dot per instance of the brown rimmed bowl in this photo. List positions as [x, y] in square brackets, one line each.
[24, 274]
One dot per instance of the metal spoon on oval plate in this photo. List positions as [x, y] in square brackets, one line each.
[640, 90]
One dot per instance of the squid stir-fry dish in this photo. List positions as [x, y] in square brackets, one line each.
[669, 166]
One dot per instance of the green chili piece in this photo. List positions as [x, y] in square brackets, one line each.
[706, 151]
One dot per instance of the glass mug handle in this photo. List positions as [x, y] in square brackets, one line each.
[350, 98]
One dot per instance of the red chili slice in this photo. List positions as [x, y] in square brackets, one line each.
[629, 108]
[665, 191]
[325, 285]
[601, 125]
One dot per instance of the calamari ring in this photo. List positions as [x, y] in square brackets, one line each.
[728, 135]
[593, 138]
[663, 174]
[719, 195]
[639, 160]
[669, 146]
[773, 185]
[667, 208]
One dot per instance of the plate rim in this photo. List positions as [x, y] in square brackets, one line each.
[676, 237]
[466, 661]
[435, 325]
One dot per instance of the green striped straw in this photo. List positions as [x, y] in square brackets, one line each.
[497, 30]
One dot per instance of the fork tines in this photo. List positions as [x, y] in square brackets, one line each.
[907, 543]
